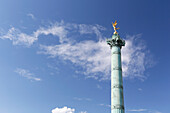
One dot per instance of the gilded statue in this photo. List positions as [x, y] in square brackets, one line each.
[114, 26]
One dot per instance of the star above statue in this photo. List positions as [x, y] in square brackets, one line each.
[114, 26]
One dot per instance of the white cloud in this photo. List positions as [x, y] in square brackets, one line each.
[18, 37]
[143, 110]
[25, 73]
[90, 29]
[63, 110]
[83, 111]
[31, 15]
[137, 110]
[94, 57]
[134, 57]
[59, 29]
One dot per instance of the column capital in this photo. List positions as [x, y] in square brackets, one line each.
[116, 41]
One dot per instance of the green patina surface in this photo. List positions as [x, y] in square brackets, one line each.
[117, 99]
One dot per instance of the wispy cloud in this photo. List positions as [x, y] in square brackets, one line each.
[90, 29]
[157, 112]
[136, 58]
[91, 56]
[63, 110]
[137, 110]
[82, 99]
[105, 105]
[94, 57]
[143, 111]
[58, 29]
[26, 73]
[99, 86]
[140, 89]
[83, 112]
[31, 15]
[19, 38]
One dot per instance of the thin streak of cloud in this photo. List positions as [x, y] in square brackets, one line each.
[90, 29]
[82, 99]
[143, 110]
[83, 112]
[105, 105]
[99, 86]
[76, 98]
[140, 89]
[137, 110]
[26, 73]
[31, 15]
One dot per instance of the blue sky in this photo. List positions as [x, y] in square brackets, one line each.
[54, 57]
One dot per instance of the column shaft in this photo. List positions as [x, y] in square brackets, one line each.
[117, 100]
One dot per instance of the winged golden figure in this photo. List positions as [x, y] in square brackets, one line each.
[114, 26]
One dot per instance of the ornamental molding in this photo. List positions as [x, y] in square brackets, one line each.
[116, 41]
[118, 107]
[117, 86]
[116, 52]
[117, 68]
